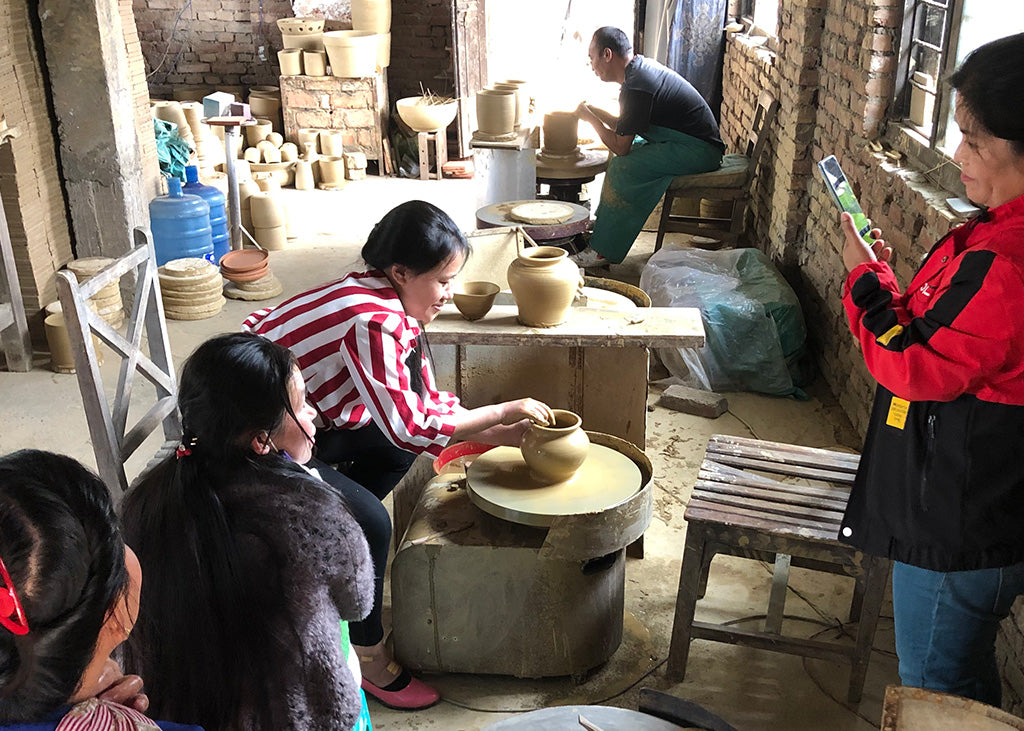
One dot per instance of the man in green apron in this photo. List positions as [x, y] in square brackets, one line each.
[664, 129]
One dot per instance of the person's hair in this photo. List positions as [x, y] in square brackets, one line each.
[614, 39]
[990, 83]
[60, 543]
[414, 234]
[206, 641]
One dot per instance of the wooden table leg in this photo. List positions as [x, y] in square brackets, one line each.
[686, 601]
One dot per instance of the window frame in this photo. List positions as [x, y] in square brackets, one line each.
[921, 149]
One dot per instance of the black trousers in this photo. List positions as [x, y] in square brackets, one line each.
[369, 468]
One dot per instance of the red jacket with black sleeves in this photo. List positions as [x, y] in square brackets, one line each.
[941, 479]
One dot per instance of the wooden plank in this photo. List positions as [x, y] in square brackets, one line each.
[676, 327]
[780, 451]
[793, 470]
[713, 472]
[776, 643]
[704, 488]
[771, 508]
[731, 516]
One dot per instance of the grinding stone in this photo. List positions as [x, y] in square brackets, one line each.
[199, 299]
[199, 314]
[253, 295]
[501, 484]
[189, 267]
[190, 284]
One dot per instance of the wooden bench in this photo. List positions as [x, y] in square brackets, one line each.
[739, 509]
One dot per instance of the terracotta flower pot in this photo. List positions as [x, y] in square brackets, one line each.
[543, 282]
[495, 112]
[554, 453]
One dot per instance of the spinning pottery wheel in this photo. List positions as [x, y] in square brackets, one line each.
[476, 593]
[497, 215]
[500, 483]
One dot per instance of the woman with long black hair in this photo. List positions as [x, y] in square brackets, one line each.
[360, 346]
[255, 564]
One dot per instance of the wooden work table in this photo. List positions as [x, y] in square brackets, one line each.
[594, 364]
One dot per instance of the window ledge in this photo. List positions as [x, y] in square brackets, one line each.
[933, 165]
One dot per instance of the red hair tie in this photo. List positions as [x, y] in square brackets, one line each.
[12, 616]
[182, 451]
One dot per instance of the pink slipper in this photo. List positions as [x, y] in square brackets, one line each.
[414, 696]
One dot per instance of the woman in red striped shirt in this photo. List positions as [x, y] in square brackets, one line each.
[363, 354]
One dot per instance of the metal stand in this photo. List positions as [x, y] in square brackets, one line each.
[231, 126]
[14, 335]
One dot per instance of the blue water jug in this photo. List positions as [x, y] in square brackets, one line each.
[180, 224]
[218, 211]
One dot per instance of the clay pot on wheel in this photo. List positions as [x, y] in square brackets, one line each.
[495, 112]
[554, 452]
[561, 132]
[544, 282]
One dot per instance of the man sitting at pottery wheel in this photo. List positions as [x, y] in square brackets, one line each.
[362, 352]
[664, 129]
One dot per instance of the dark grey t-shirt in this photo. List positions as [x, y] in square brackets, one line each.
[654, 94]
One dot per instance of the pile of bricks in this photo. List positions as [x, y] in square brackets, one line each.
[29, 181]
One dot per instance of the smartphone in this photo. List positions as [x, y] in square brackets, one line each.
[839, 188]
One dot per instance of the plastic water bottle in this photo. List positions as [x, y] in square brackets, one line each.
[218, 211]
[180, 224]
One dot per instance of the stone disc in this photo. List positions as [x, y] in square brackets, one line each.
[500, 483]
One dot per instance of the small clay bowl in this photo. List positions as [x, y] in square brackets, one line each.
[242, 261]
[475, 299]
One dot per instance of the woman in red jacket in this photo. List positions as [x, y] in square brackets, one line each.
[940, 488]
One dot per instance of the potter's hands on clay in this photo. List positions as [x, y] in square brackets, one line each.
[857, 251]
[584, 112]
[501, 423]
[527, 408]
[125, 690]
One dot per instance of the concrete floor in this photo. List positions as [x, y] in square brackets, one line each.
[749, 688]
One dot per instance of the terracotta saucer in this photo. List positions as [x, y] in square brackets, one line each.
[248, 276]
[243, 260]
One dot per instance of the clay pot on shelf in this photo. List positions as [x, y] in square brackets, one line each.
[544, 282]
[332, 142]
[290, 60]
[561, 132]
[304, 33]
[495, 112]
[308, 136]
[520, 112]
[371, 15]
[254, 133]
[554, 452]
[332, 170]
[353, 53]
[315, 63]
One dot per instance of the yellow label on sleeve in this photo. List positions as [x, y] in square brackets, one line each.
[897, 416]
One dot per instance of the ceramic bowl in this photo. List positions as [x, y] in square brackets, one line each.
[243, 261]
[423, 117]
[475, 299]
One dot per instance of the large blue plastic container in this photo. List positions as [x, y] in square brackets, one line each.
[218, 211]
[180, 224]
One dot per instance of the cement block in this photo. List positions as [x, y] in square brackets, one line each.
[694, 401]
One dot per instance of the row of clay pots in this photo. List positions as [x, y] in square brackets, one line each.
[300, 62]
[326, 141]
[501, 107]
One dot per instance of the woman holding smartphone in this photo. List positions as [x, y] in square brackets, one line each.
[940, 489]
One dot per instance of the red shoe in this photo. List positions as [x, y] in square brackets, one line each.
[414, 696]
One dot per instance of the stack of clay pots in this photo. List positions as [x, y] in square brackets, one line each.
[269, 219]
[190, 289]
[374, 16]
[209, 147]
[304, 33]
[249, 276]
[267, 152]
[265, 103]
[107, 302]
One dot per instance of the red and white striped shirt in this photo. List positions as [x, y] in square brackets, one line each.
[352, 338]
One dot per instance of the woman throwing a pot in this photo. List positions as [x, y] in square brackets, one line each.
[362, 352]
[940, 489]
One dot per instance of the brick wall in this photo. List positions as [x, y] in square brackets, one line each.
[833, 73]
[215, 43]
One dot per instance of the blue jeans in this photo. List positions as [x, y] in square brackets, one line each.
[946, 627]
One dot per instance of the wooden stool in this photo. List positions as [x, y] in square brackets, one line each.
[738, 511]
[440, 153]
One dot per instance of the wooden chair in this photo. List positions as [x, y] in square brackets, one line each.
[112, 441]
[731, 182]
[738, 509]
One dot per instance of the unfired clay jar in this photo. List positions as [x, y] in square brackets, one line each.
[495, 112]
[543, 282]
[332, 170]
[308, 135]
[290, 60]
[371, 15]
[520, 112]
[304, 175]
[561, 132]
[259, 131]
[332, 142]
[554, 453]
[314, 63]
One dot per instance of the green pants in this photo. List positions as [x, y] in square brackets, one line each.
[634, 183]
